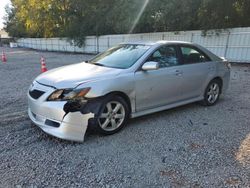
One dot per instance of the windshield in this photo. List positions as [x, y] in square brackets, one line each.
[122, 56]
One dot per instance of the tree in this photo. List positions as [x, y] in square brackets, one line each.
[76, 19]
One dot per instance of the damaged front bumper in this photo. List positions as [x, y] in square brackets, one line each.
[52, 118]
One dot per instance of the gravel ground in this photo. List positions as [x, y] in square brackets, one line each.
[189, 146]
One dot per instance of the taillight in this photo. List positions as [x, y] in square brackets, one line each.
[225, 61]
[227, 64]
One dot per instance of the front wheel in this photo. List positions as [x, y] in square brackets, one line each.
[212, 93]
[113, 115]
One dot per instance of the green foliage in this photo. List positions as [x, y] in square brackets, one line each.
[76, 19]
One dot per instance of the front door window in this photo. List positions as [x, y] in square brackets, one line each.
[166, 56]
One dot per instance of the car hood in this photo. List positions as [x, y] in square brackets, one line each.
[73, 75]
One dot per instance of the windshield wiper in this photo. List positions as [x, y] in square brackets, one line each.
[98, 64]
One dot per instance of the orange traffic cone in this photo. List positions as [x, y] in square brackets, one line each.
[4, 58]
[43, 65]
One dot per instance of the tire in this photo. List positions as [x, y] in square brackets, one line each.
[212, 93]
[113, 115]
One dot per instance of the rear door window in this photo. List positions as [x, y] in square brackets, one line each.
[191, 55]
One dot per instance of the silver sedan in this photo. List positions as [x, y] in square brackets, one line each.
[126, 81]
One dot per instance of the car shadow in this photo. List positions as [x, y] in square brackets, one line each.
[92, 132]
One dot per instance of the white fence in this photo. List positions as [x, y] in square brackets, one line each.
[234, 44]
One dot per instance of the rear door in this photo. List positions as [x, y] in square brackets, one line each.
[196, 67]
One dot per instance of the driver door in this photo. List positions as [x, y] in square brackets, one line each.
[155, 88]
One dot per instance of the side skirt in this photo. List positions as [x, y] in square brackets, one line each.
[166, 107]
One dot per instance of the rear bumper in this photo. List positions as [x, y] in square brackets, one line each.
[52, 119]
[226, 81]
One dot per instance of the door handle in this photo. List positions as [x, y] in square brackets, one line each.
[178, 72]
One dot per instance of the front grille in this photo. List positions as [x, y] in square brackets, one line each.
[36, 94]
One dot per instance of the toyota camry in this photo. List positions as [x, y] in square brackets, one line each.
[126, 81]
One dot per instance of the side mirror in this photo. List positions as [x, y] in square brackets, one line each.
[150, 65]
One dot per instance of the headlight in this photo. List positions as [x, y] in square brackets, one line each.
[68, 94]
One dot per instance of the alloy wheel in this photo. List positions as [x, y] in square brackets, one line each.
[213, 93]
[112, 116]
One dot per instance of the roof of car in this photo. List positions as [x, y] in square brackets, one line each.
[151, 43]
[210, 54]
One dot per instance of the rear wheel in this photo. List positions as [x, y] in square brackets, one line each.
[212, 93]
[113, 115]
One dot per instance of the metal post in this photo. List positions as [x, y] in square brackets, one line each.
[227, 43]
[108, 43]
[52, 44]
[58, 44]
[97, 44]
[66, 44]
[41, 46]
[192, 37]
[73, 42]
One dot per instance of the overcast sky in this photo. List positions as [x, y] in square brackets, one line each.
[3, 3]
